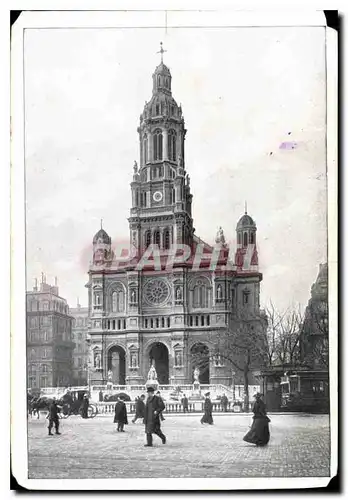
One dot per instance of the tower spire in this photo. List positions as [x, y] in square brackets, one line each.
[101, 223]
[161, 51]
[245, 208]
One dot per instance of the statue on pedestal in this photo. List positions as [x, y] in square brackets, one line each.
[152, 375]
[97, 362]
[196, 375]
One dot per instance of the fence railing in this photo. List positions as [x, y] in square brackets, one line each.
[173, 407]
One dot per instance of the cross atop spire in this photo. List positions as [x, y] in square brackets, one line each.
[246, 208]
[101, 223]
[161, 51]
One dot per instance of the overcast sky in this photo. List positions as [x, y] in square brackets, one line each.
[244, 92]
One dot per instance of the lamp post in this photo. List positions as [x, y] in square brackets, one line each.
[233, 386]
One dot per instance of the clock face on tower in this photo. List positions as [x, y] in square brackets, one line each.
[157, 196]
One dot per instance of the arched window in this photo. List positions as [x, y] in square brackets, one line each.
[97, 301]
[147, 239]
[157, 238]
[200, 294]
[159, 80]
[245, 240]
[118, 301]
[157, 109]
[172, 145]
[157, 145]
[143, 199]
[239, 239]
[145, 146]
[166, 237]
[251, 239]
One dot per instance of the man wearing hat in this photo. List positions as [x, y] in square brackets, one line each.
[208, 409]
[53, 417]
[154, 406]
[84, 406]
[120, 414]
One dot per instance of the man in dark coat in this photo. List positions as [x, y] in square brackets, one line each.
[120, 414]
[208, 409]
[184, 403]
[84, 406]
[53, 417]
[154, 406]
[139, 408]
[158, 394]
[101, 396]
[224, 402]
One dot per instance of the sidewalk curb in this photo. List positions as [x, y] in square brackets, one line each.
[215, 415]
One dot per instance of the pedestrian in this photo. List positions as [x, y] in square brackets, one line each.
[84, 406]
[158, 394]
[154, 406]
[208, 409]
[259, 431]
[184, 403]
[120, 414]
[139, 408]
[101, 396]
[53, 417]
[224, 402]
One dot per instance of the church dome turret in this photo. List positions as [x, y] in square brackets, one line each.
[102, 237]
[246, 230]
[245, 221]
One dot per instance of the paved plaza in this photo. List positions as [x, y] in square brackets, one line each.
[92, 448]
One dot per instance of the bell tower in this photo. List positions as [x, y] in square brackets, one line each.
[161, 198]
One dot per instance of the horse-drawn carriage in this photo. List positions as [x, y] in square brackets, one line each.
[70, 403]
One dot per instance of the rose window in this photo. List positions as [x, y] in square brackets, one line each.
[156, 292]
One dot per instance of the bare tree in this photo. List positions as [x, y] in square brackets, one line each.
[243, 345]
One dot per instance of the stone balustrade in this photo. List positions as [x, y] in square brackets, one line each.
[171, 407]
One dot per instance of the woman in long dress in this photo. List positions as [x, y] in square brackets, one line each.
[208, 409]
[259, 431]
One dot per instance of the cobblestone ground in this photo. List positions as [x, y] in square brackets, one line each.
[299, 446]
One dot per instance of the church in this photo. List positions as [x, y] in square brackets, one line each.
[143, 311]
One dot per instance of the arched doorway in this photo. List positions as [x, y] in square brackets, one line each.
[159, 355]
[117, 364]
[200, 358]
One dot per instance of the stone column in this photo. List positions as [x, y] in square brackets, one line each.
[165, 144]
[134, 197]
[141, 151]
[149, 146]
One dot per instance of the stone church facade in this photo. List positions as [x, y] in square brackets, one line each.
[142, 310]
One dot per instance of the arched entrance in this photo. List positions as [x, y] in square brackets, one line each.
[200, 358]
[117, 364]
[159, 355]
